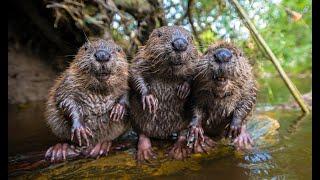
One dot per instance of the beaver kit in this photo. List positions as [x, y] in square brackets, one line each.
[224, 94]
[161, 74]
[87, 105]
[173, 90]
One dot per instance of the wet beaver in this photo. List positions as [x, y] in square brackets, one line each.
[161, 74]
[224, 94]
[89, 101]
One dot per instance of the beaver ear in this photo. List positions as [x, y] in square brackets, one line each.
[240, 53]
[119, 49]
[86, 46]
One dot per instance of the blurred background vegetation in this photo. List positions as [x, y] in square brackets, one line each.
[55, 29]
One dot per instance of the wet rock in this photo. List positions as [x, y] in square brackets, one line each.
[263, 130]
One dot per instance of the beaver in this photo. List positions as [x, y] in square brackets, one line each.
[224, 94]
[89, 101]
[161, 76]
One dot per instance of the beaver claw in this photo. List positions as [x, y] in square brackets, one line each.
[179, 150]
[117, 112]
[79, 131]
[183, 90]
[205, 146]
[145, 152]
[151, 102]
[100, 149]
[195, 133]
[243, 141]
[198, 141]
[235, 128]
[145, 155]
[60, 152]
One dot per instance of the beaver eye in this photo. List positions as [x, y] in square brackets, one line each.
[159, 34]
[118, 49]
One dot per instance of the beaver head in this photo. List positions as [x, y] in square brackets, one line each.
[224, 66]
[170, 48]
[100, 58]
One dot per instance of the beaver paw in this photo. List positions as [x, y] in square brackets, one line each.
[195, 133]
[151, 102]
[180, 150]
[234, 129]
[117, 112]
[183, 90]
[243, 141]
[145, 155]
[100, 149]
[145, 152]
[204, 146]
[60, 152]
[79, 131]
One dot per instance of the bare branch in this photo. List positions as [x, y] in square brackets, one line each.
[190, 18]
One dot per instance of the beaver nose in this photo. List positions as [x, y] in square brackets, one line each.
[102, 56]
[223, 55]
[179, 44]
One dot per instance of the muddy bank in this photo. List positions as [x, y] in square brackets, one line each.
[29, 77]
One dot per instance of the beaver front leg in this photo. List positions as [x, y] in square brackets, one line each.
[79, 130]
[73, 112]
[145, 152]
[196, 138]
[119, 109]
[138, 83]
[61, 152]
[237, 129]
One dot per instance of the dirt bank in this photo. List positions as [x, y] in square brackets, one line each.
[29, 78]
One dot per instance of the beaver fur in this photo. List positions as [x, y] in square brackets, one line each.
[88, 94]
[160, 79]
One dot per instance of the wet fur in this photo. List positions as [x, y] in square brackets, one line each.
[80, 87]
[152, 72]
[216, 104]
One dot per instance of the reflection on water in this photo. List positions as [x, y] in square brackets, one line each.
[290, 158]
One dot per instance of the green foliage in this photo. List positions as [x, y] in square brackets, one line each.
[289, 40]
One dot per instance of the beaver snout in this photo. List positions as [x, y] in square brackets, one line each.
[179, 44]
[222, 55]
[102, 56]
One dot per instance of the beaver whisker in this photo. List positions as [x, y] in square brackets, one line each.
[202, 72]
